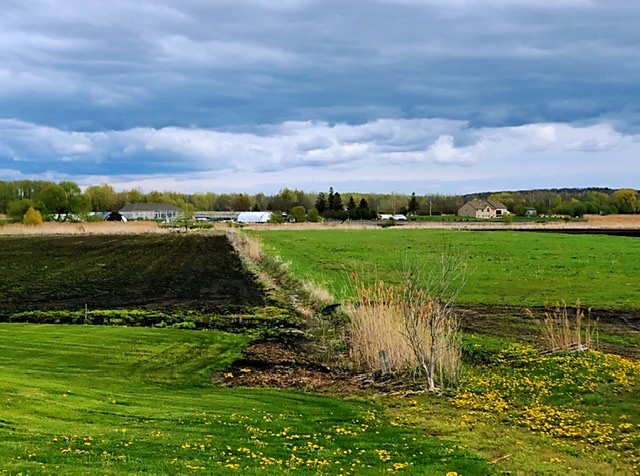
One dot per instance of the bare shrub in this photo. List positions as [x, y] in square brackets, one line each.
[562, 332]
[431, 325]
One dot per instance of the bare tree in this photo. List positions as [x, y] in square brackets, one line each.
[430, 323]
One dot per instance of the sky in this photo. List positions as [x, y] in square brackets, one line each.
[425, 96]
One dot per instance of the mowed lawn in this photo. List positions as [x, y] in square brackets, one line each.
[115, 400]
[505, 267]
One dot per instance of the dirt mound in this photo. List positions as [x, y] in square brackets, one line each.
[276, 365]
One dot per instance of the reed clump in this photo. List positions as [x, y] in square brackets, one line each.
[563, 331]
[396, 329]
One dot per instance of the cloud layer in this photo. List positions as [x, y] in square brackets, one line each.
[377, 94]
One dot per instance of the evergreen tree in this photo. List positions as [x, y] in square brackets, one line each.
[331, 199]
[414, 206]
[352, 204]
[321, 203]
[363, 205]
[336, 204]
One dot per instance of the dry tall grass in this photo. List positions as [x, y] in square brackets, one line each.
[376, 325]
[317, 293]
[89, 228]
[249, 247]
[393, 330]
[562, 332]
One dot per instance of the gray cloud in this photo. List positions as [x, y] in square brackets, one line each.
[257, 85]
[293, 153]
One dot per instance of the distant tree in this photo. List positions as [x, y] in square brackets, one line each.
[241, 203]
[314, 216]
[134, 196]
[625, 200]
[260, 201]
[298, 214]
[335, 201]
[101, 197]
[77, 202]
[413, 205]
[186, 216]
[276, 218]
[564, 208]
[7, 195]
[255, 208]
[63, 199]
[330, 199]
[32, 217]
[321, 203]
[54, 199]
[284, 200]
[363, 204]
[351, 205]
[17, 208]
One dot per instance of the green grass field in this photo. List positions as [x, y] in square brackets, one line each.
[507, 268]
[114, 400]
[128, 400]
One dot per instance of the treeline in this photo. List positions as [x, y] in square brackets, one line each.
[66, 198]
[573, 202]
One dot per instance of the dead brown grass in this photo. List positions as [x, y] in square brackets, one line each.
[94, 228]
[394, 331]
[249, 247]
[376, 326]
[563, 332]
[614, 221]
[317, 293]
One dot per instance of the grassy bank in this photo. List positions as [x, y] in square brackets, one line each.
[113, 400]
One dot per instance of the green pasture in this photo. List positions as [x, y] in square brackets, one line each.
[115, 400]
[506, 267]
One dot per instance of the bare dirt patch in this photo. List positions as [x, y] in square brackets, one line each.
[278, 365]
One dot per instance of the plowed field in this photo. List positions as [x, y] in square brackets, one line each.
[154, 271]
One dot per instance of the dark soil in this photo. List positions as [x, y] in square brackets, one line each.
[155, 272]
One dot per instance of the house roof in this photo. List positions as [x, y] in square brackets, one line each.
[149, 207]
[480, 204]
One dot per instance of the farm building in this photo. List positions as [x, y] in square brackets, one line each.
[530, 212]
[254, 217]
[150, 211]
[216, 216]
[394, 216]
[483, 209]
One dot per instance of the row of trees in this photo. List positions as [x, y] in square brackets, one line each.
[571, 202]
[67, 198]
